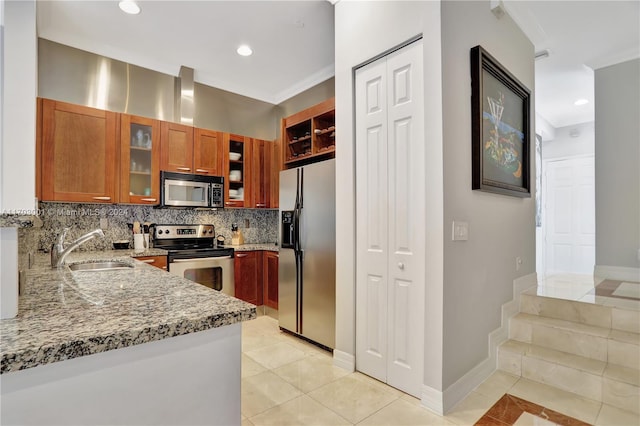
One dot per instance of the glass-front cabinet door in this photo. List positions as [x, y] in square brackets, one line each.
[140, 160]
[237, 171]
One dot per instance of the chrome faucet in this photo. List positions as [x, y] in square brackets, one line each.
[59, 252]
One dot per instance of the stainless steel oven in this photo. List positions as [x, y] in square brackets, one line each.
[192, 255]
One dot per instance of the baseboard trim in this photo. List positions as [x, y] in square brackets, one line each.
[617, 273]
[474, 377]
[344, 360]
[432, 399]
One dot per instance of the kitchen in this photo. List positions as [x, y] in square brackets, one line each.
[252, 212]
[467, 285]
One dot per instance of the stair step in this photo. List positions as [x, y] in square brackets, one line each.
[615, 385]
[614, 346]
[566, 336]
[580, 312]
[581, 363]
[622, 374]
[570, 373]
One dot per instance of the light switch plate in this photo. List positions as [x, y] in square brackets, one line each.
[460, 231]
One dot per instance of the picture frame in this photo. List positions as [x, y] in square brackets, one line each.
[501, 128]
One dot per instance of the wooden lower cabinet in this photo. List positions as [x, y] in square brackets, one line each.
[270, 279]
[256, 277]
[247, 270]
[157, 261]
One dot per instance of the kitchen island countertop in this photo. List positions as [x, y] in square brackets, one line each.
[64, 314]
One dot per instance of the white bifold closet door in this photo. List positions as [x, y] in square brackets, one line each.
[390, 230]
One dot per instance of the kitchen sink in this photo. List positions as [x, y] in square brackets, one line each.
[100, 266]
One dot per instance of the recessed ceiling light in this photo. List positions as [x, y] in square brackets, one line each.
[244, 50]
[129, 6]
[581, 102]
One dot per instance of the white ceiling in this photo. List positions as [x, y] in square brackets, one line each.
[581, 36]
[293, 43]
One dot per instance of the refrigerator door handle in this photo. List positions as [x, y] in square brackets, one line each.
[296, 230]
[301, 188]
[300, 291]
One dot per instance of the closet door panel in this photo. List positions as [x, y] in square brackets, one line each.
[390, 212]
[372, 221]
[407, 182]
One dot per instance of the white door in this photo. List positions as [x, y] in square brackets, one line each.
[569, 219]
[390, 205]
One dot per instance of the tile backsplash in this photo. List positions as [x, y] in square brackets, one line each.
[82, 218]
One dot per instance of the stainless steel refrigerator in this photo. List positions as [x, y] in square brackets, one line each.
[307, 263]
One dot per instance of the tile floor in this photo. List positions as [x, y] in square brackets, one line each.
[286, 381]
[589, 289]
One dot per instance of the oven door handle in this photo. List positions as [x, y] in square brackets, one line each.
[201, 259]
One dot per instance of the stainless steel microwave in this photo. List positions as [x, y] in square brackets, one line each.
[189, 190]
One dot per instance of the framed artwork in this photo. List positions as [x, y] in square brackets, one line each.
[500, 120]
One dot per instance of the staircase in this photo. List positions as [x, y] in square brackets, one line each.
[590, 350]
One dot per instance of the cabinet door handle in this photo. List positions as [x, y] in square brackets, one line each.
[261, 205]
[102, 198]
[241, 255]
[184, 169]
[148, 261]
[149, 200]
[202, 171]
[228, 203]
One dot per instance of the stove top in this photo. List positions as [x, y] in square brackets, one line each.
[187, 239]
[192, 233]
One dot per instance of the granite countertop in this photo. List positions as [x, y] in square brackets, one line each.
[8, 220]
[64, 314]
[255, 247]
[148, 252]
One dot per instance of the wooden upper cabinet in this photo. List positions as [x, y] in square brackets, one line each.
[176, 147]
[309, 135]
[79, 153]
[139, 160]
[208, 152]
[238, 171]
[274, 175]
[261, 169]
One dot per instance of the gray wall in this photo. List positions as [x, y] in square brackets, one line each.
[218, 109]
[466, 283]
[617, 140]
[479, 273]
[565, 145]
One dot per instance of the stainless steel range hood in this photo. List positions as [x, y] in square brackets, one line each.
[184, 106]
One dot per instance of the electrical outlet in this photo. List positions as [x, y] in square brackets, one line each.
[104, 223]
[460, 231]
[246, 223]
[518, 263]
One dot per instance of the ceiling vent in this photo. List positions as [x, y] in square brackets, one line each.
[542, 54]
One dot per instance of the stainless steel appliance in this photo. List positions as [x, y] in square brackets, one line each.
[192, 254]
[188, 190]
[306, 269]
